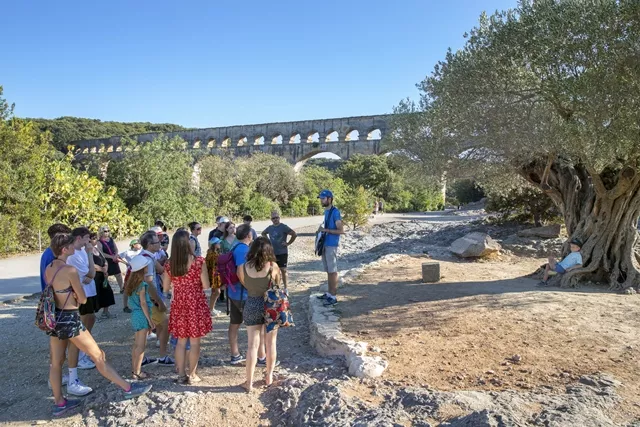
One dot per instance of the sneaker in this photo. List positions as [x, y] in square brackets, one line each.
[127, 310]
[237, 359]
[166, 361]
[330, 301]
[65, 380]
[149, 361]
[157, 343]
[152, 337]
[69, 404]
[262, 363]
[78, 389]
[137, 389]
[85, 362]
[216, 313]
[323, 296]
[542, 283]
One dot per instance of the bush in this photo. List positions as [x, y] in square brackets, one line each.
[523, 204]
[355, 209]
[466, 191]
[299, 206]
[259, 207]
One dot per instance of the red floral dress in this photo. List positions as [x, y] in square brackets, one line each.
[189, 317]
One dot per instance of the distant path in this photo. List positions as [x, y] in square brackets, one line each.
[20, 275]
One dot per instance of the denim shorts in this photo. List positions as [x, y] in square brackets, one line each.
[560, 269]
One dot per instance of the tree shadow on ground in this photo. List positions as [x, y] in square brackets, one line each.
[390, 299]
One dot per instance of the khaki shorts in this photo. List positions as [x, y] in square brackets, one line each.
[330, 259]
[158, 317]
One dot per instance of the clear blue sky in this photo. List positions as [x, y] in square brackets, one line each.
[205, 63]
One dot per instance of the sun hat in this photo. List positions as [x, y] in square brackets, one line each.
[139, 262]
[157, 229]
[325, 193]
[576, 241]
[134, 242]
[214, 241]
[223, 220]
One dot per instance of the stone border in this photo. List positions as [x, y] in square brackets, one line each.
[22, 298]
[326, 333]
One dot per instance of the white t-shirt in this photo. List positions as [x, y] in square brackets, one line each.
[128, 255]
[80, 261]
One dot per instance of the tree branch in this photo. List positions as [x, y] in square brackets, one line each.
[598, 184]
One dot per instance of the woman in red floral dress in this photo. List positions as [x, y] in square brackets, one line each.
[189, 318]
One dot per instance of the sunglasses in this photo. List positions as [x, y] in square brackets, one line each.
[198, 228]
[105, 231]
[275, 217]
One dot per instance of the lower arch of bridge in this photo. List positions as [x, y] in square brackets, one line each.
[300, 163]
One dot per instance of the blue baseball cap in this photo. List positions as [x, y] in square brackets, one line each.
[325, 193]
[214, 241]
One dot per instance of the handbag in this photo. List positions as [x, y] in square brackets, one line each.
[277, 309]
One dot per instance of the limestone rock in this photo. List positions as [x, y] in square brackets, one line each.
[474, 245]
[430, 272]
[366, 366]
[548, 232]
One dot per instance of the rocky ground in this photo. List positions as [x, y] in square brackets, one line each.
[313, 390]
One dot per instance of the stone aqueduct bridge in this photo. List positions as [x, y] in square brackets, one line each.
[295, 141]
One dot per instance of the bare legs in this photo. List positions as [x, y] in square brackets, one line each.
[215, 294]
[272, 354]
[549, 267]
[233, 339]
[284, 277]
[87, 344]
[57, 350]
[181, 356]
[253, 333]
[137, 353]
[162, 331]
[333, 283]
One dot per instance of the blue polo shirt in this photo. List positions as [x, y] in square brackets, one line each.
[46, 259]
[331, 216]
[240, 252]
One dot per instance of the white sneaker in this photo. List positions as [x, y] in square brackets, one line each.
[65, 380]
[151, 337]
[158, 343]
[78, 389]
[216, 313]
[85, 363]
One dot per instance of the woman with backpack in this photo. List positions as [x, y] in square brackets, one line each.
[256, 276]
[61, 300]
[189, 319]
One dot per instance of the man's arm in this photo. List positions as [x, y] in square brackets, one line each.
[265, 232]
[293, 235]
[240, 274]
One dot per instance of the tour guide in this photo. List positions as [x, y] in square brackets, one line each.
[332, 230]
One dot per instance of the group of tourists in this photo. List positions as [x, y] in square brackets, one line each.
[166, 294]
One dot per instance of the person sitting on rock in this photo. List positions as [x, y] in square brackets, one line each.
[571, 261]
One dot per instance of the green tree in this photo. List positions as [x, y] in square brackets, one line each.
[24, 154]
[155, 180]
[466, 190]
[78, 199]
[371, 172]
[68, 129]
[355, 209]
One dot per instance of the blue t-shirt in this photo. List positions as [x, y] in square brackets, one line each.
[239, 257]
[46, 259]
[331, 216]
[571, 260]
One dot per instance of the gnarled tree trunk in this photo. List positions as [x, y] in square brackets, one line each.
[600, 209]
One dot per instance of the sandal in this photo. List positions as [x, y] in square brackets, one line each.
[194, 379]
[140, 376]
[183, 380]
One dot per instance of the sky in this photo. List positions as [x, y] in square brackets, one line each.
[211, 63]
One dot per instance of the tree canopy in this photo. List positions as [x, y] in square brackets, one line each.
[67, 129]
[551, 90]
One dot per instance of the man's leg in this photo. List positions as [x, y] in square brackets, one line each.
[284, 277]
[235, 320]
[333, 284]
[233, 338]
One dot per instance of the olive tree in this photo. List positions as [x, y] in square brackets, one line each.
[550, 90]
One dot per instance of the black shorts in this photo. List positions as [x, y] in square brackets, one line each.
[235, 311]
[68, 324]
[89, 307]
[282, 260]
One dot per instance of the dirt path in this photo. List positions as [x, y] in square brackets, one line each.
[487, 327]
[217, 401]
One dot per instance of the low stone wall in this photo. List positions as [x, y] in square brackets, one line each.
[326, 333]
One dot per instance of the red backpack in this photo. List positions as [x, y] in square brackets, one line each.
[227, 269]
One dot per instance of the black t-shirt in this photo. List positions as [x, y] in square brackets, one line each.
[215, 233]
